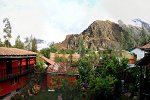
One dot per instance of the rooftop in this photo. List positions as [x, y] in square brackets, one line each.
[62, 68]
[147, 46]
[5, 51]
[51, 62]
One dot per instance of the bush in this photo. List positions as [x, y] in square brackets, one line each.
[101, 76]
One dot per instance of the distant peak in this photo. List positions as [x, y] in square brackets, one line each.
[102, 21]
[142, 23]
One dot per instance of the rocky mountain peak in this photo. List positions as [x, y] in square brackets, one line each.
[100, 34]
[104, 34]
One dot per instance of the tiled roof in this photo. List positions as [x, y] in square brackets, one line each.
[147, 46]
[5, 51]
[62, 68]
[48, 60]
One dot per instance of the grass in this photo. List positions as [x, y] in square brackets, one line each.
[44, 95]
[47, 95]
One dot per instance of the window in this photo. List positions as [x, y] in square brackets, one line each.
[14, 81]
[9, 67]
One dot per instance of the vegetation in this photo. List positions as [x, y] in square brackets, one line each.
[34, 45]
[60, 59]
[66, 51]
[66, 87]
[133, 82]
[7, 31]
[54, 49]
[45, 95]
[17, 97]
[46, 51]
[31, 44]
[99, 78]
[74, 64]
[1, 43]
[18, 43]
[128, 41]
[40, 65]
[81, 48]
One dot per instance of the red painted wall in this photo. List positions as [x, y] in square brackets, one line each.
[51, 84]
[2, 69]
[15, 69]
[5, 86]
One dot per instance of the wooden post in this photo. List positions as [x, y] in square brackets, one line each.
[141, 82]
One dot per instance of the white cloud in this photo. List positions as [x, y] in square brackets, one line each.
[50, 20]
[128, 9]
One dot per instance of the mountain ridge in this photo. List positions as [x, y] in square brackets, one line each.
[106, 35]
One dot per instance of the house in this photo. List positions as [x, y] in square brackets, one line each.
[60, 71]
[16, 66]
[144, 65]
[129, 55]
[140, 53]
[48, 62]
[146, 48]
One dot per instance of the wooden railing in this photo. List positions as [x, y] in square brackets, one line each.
[15, 72]
[5, 76]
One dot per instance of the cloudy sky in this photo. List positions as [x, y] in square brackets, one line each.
[52, 20]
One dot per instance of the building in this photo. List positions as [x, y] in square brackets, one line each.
[131, 56]
[140, 53]
[60, 71]
[16, 65]
[146, 48]
[144, 65]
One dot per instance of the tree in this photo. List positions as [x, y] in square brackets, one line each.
[128, 40]
[31, 44]
[34, 45]
[50, 48]
[45, 52]
[1, 43]
[68, 89]
[99, 78]
[144, 37]
[27, 43]
[40, 65]
[81, 48]
[7, 31]
[18, 43]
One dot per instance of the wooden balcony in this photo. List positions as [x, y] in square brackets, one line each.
[15, 73]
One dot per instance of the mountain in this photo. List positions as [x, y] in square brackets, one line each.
[143, 24]
[107, 35]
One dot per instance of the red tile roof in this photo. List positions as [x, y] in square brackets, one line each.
[48, 60]
[147, 46]
[5, 51]
[62, 68]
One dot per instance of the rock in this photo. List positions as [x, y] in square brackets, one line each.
[104, 35]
